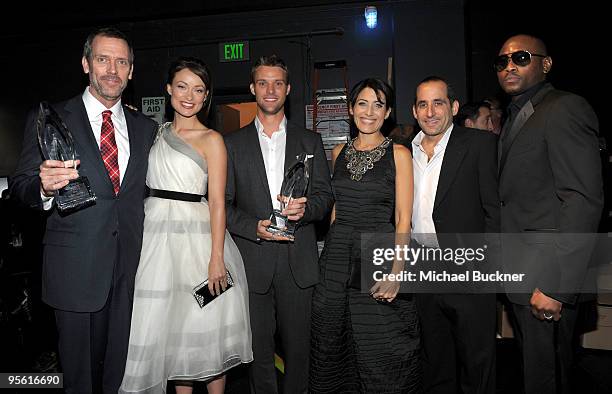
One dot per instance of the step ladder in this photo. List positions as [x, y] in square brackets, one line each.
[326, 96]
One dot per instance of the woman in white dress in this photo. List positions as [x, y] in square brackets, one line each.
[185, 242]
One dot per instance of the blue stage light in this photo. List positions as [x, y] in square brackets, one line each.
[371, 16]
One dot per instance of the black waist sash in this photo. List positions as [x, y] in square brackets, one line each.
[172, 195]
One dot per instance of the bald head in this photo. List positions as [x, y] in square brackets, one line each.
[521, 73]
[536, 44]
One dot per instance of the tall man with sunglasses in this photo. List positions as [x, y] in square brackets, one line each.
[551, 197]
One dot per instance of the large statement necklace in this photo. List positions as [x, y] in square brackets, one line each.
[358, 162]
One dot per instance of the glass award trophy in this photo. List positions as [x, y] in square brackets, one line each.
[295, 185]
[56, 143]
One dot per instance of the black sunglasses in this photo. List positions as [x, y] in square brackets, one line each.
[520, 58]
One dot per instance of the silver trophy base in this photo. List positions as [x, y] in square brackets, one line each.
[281, 225]
[75, 195]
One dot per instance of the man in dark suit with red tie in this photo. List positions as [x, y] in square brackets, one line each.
[91, 255]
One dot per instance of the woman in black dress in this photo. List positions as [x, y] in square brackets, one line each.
[365, 341]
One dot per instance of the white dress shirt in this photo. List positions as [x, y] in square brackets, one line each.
[273, 152]
[426, 177]
[94, 110]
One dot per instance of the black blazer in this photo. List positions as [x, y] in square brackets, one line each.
[551, 191]
[80, 248]
[248, 201]
[466, 207]
[466, 198]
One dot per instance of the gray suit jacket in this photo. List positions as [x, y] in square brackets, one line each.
[248, 200]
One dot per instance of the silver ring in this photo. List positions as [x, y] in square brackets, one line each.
[547, 317]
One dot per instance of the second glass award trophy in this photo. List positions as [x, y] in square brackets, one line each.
[295, 185]
[56, 143]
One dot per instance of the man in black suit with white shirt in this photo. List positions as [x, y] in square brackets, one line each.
[455, 199]
[91, 255]
[280, 274]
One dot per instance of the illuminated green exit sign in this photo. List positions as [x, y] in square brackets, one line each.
[236, 51]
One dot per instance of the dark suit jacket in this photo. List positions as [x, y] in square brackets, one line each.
[80, 248]
[248, 201]
[467, 198]
[466, 207]
[551, 191]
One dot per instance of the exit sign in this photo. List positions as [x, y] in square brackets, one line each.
[236, 51]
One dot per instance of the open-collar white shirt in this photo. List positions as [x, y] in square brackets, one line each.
[426, 177]
[273, 152]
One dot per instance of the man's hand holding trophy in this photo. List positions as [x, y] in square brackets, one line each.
[292, 197]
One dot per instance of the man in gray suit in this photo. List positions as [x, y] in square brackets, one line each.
[551, 195]
[91, 255]
[281, 274]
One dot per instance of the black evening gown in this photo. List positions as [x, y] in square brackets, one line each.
[360, 345]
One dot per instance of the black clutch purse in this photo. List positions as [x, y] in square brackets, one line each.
[202, 294]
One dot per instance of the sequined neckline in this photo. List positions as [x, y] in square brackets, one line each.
[358, 162]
